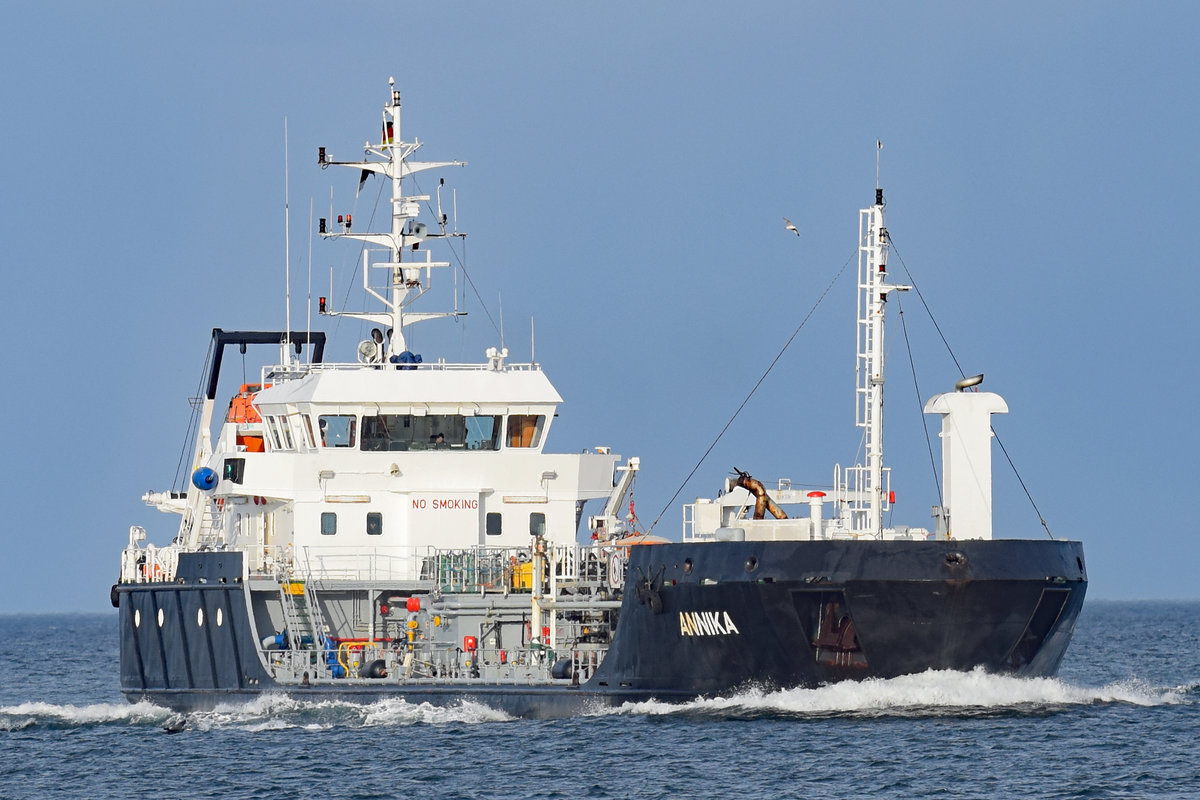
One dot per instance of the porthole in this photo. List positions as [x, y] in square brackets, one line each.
[751, 564]
[137, 618]
[219, 620]
[687, 566]
[161, 617]
[199, 617]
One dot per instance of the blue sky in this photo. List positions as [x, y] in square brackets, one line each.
[629, 168]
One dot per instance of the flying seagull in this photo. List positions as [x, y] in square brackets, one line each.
[787, 223]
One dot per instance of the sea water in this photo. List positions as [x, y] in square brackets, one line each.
[1120, 721]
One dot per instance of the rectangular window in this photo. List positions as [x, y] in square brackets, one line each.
[451, 432]
[328, 523]
[493, 524]
[285, 431]
[337, 430]
[537, 524]
[525, 430]
[235, 469]
[308, 432]
[273, 433]
[374, 523]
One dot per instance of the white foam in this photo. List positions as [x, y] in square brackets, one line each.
[401, 712]
[928, 692]
[24, 715]
[278, 712]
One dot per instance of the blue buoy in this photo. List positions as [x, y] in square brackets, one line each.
[204, 479]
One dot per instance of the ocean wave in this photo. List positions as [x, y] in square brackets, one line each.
[27, 715]
[264, 713]
[932, 693]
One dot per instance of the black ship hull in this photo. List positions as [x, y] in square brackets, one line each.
[697, 619]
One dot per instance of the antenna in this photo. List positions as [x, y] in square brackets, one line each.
[308, 300]
[441, 216]
[878, 150]
[287, 255]
[532, 340]
[500, 300]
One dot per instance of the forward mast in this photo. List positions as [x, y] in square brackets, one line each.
[409, 262]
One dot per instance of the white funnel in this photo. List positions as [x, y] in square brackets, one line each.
[967, 459]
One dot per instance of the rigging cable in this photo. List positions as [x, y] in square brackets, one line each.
[963, 374]
[362, 247]
[461, 261]
[770, 367]
[937, 483]
[193, 423]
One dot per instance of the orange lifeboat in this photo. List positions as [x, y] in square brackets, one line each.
[242, 411]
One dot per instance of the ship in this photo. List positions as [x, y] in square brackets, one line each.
[394, 526]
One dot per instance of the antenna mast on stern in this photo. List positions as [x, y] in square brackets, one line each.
[864, 489]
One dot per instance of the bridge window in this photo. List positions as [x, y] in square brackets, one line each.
[525, 430]
[451, 432]
[537, 524]
[285, 433]
[328, 523]
[374, 523]
[337, 430]
[273, 434]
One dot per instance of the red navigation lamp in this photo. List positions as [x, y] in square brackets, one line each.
[892, 497]
[322, 305]
[321, 225]
[348, 222]
[321, 156]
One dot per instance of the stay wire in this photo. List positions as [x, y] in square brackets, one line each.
[916, 387]
[770, 367]
[963, 374]
[358, 260]
[462, 264]
[194, 420]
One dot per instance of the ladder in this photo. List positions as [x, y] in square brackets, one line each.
[305, 626]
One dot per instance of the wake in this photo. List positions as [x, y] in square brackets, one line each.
[269, 712]
[929, 694]
[932, 693]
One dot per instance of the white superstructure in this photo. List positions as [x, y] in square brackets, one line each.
[357, 471]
